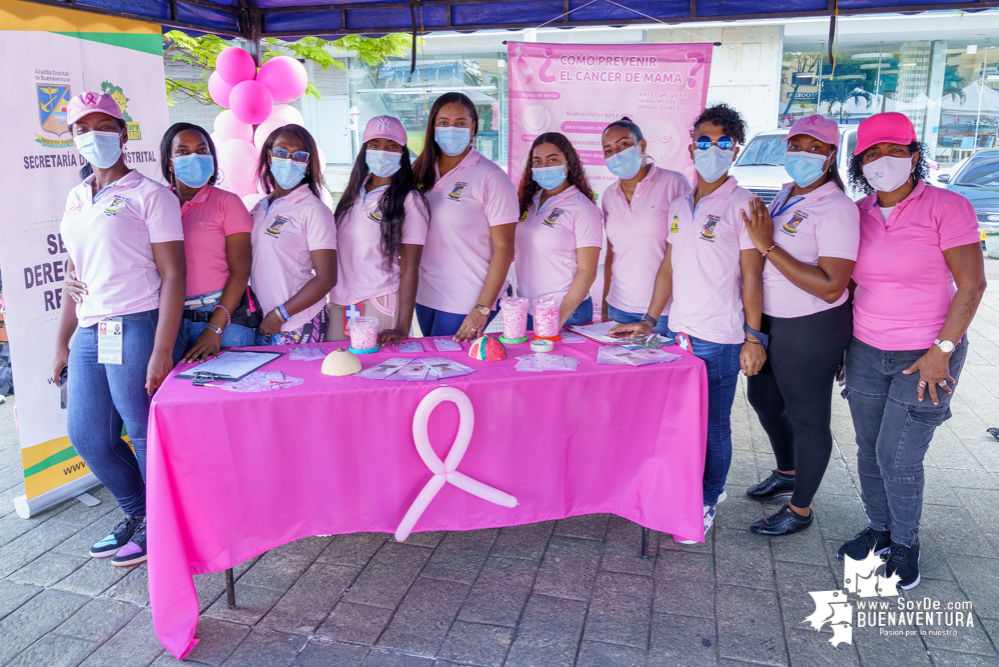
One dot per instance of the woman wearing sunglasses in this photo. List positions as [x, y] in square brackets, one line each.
[713, 273]
[560, 230]
[294, 241]
[636, 218]
[381, 228]
[809, 238]
[470, 243]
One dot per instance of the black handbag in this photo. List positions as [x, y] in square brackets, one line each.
[248, 313]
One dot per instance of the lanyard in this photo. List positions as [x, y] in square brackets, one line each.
[788, 204]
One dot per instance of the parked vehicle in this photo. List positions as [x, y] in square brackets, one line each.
[977, 178]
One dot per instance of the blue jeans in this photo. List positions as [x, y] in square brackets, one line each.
[582, 315]
[721, 362]
[893, 433]
[102, 397]
[234, 335]
[435, 322]
[622, 317]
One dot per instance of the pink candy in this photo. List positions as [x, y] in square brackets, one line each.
[363, 333]
[546, 324]
[514, 317]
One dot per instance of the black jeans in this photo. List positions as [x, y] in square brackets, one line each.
[792, 393]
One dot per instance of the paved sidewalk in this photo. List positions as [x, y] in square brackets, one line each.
[570, 592]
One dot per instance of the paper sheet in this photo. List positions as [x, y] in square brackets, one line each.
[231, 365]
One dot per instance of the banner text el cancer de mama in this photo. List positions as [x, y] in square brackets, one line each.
[578, 89]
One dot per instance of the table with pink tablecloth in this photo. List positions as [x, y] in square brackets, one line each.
[232, 475]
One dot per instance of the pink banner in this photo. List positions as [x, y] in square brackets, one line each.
[578, 89]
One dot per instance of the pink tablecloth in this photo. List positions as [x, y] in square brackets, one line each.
[232, 475]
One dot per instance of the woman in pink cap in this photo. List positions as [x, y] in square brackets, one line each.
[381, 228]
[809, 239]
[920, 277]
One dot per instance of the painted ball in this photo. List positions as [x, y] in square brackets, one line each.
[487, 348]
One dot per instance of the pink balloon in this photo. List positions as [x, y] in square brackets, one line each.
[285, 77]
[219, 90]
[238, 165]
[252, 102]
[235, 65]
[283, 114]
[227, 127]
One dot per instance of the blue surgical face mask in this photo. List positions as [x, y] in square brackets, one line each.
[193, 170]
[712, 163]
[287, 172]
[549, 178]
[383, 163]
[805, 168]
[625, 164]
[453, 140]
[101, 149]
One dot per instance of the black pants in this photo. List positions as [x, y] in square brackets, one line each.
[792, 393]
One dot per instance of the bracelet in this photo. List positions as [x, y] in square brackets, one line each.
[280, 316]
[764, 254]
[754, 342]
[214, 328]
[228, 315]
[283, 312]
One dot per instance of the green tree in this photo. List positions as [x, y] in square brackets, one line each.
[199, 53]
[796, 64]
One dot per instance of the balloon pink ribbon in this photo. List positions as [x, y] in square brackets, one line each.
[445, 471]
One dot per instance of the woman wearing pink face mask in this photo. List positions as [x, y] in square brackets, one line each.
[919, 279]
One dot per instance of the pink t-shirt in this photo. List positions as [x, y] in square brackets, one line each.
[211, 216]
[904, 286]
[546, 244]
[361, 273]
[637, 233]
[823, 223]
[109, 238]
[285, 231]
[464, 204]
[707, 269]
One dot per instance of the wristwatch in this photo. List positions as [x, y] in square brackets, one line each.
[945, 346]
[214, 328]
[483, 310]
[651, 320]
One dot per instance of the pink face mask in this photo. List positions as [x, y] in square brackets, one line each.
[888, 174]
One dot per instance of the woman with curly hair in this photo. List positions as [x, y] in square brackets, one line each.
[560, 230]
[920, 277]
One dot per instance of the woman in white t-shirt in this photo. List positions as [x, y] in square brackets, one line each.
[809, 238]
[125, 240]
[294, 241]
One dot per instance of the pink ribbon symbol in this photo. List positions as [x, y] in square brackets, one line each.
[445, 471]
[89, 98]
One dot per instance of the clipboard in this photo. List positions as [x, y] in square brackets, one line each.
[229, 366]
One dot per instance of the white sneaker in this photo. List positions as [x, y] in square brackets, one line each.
[709, 520]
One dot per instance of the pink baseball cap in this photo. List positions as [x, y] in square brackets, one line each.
[893, 127]
[385, 127]
[816, 126]
[88, 103]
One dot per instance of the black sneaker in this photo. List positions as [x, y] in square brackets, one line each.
[776, 485]
[860, 546]
[118, 538]
[134, 552]
[904, 561]
[782, 522]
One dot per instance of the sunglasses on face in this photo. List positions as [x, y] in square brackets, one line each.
[703, 143]
[297, 156]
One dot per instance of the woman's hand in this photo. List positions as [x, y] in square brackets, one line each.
[206, 347]
[934, 373]
[473, 326]
[60, 362]
[272, 323]
[159, 366]
[642, 328]
[76, 289]
[391, 337]
[759, 225]
[751, 358]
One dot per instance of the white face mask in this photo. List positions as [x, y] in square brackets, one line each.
[887, 174]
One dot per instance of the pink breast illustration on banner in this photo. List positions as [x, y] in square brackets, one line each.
[578, 89]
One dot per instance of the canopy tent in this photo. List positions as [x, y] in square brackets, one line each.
[253, 19]
[977, 98]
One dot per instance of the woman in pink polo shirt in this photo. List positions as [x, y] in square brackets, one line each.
[381, 228]
[294, 241]
[809, 238]
[636, 218]
[470, 242]
[920, 277]
[560, 231]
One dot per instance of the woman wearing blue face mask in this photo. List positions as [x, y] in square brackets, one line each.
[381, 228]
[810, 237]
[294, 241]
[560, 230]
[636, 218]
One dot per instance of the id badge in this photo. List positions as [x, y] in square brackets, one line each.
[350, 311]
[109, 336]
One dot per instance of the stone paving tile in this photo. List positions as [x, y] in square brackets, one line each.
[276, 570]
[19, 552]
[48, 568]
[54, 651]
[623, 548]
[422, 620]
[135, 644]
[743, 558]
[749, 625]
[266, 647]
[569, 568]
[587, 526]
[619, 610]
[478, 644]
[34, 619]
[356, 623]
[12, 596]
[356, 549]
[500, 592]
[979, 580]
[460, 555]
[380, 658]
[528, 541]
[252, 604]
[548, 634]
[217, 641]
[133, 587]
[682, 641]
[388, 575]
[93, 578]
[598, 654]
[310, 599]
[330, 654]
[98, 620]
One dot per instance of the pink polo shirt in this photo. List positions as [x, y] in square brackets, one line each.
[637, 232]
[361, 273]
[707, 270]
[904, 286]
[823, 223]
[109, 238]
[464, 204]
[285, 231]
[211, 216]
[547, 240]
